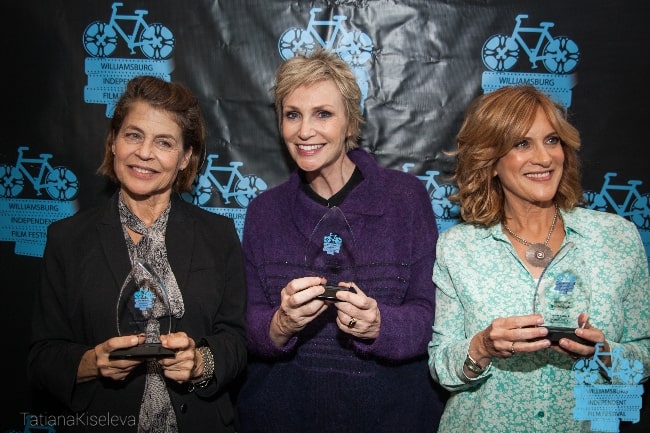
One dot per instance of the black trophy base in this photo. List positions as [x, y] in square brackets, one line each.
[142, 351]
[330, 293]
[557, 332]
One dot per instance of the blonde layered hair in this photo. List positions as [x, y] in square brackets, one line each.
[308, 69]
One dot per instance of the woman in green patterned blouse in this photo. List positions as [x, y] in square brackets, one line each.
[518, 177]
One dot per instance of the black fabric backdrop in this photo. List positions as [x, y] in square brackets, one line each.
[426, 67]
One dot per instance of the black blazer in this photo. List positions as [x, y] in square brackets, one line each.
[84, 265]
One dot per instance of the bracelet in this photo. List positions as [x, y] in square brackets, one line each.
[474, 366]
[208, 368]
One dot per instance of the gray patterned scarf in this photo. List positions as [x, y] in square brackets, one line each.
[156, 412]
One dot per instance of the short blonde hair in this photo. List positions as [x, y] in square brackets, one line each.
[307, 69]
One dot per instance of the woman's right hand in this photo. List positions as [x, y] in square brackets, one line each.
[95, 362]
[508, 335]
[298, 307]
[504, 337]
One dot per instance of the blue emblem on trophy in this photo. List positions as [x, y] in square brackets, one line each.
[332, 244]
[143, 308]
[330, 251]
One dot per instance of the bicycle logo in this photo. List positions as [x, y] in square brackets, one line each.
[622, 371]
[155, 40]
[243, 188]
[607, 395]
[443, 208]
[354, 47]
[59, 182]
[559, 54]
[633, 206]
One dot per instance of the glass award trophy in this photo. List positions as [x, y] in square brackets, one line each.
[563, 293]
[330, 252]
[143, 308]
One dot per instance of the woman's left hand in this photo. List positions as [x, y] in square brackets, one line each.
[180, 367]
[357, 314]
[587, 332]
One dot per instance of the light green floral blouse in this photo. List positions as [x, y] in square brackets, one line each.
[479, 277]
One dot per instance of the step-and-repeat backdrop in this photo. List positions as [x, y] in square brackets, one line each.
[418, 63]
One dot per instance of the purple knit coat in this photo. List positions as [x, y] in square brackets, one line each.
[324, 380]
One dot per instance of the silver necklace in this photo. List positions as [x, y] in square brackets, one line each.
[538, 255]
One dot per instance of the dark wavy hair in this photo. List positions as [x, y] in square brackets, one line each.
[174, 98]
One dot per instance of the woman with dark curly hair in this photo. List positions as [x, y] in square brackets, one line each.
[144, 232]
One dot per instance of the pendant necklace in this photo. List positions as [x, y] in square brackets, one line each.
[538, 255]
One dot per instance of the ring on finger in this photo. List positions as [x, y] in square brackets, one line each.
[352, 322]
[512, 348]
